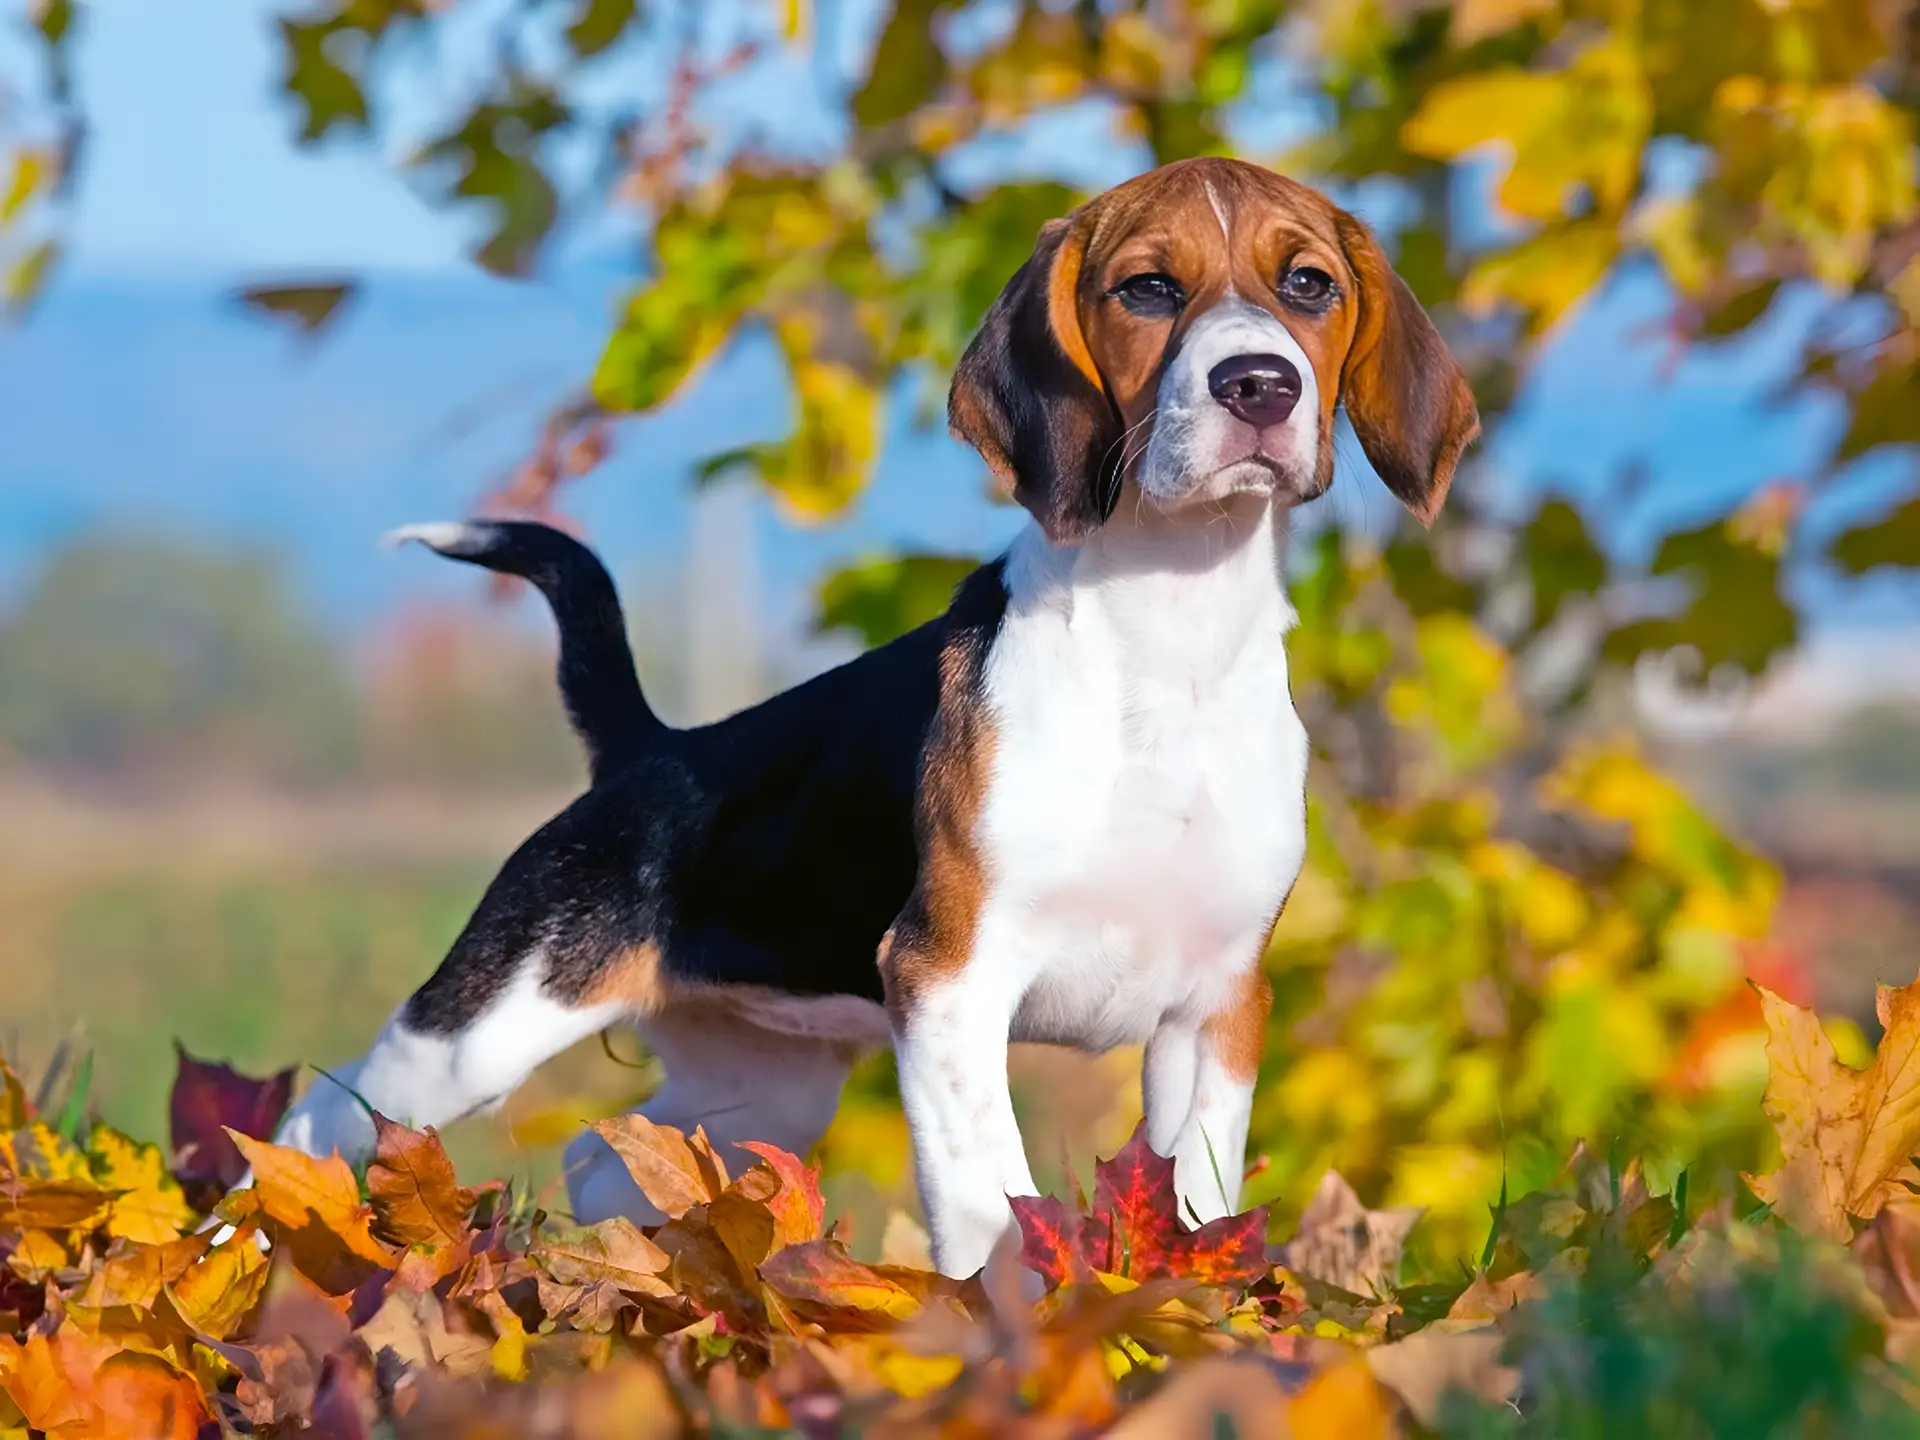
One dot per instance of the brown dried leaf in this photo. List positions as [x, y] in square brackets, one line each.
[1447, 1356]
[417, 1200]
[663, 1164]
[612, 1250]
[1846, 1136]
[1343, 1243]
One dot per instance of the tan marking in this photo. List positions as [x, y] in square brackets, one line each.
[1237, 1035]
[1063, 308]
[633, 978]
[933, 936]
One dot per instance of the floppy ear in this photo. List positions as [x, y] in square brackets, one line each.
[1407, 398]
[1029, 398]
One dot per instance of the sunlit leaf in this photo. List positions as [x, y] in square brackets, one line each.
[26, 277]
[149, 1207]
[883, 599]
[663, 1164]
[1847, 1137]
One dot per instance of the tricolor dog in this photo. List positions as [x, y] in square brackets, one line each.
[1069, 810]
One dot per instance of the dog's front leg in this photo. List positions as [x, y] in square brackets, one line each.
[1197, 1087]
[950, 1041]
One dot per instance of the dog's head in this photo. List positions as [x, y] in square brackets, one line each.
[1193, 330]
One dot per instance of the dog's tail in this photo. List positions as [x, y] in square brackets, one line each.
[597, 679]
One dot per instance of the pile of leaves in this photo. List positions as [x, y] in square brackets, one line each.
[141, 1297]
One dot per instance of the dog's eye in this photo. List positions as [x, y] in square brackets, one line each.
[1306, 287]
[1151, 294]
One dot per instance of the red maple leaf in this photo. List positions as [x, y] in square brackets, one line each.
[1053, 1240]
[1135, 1229]
[209, 1097]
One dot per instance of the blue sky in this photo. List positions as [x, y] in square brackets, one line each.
[190, 166]
[141, 399]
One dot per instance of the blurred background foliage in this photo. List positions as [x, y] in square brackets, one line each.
[1516, 929]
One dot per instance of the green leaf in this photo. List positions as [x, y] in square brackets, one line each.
[1736, 614]
[599, 24]
[1561, 558]
[328, 95]
[54, 20]
[885, 598]
[1885, 412]
[308, 308]
[1735, 312]
[908, 66]
[493, 151]
[1420, 582]
[1892, 540]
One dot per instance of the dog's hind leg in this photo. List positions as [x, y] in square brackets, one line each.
[737, 1080]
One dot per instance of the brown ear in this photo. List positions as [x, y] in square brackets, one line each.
[1029, 398]
[1407, 398]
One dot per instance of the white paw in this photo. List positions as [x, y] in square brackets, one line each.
[327, 1119]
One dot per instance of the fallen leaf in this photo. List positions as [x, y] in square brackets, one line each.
[134, 1274]
[1135, 1209]
[1344, 1244]
[1241, 1398]
[1051, 1241]
[1344, 1401]
[51, 1379]
[611, 1250]
[27, 1204]
[667, 1169]
[1135, 1229]
[141, 1397]
[149, 1207]
[744, 1225]
[219, 1292]
[796, 1206]
[417, 1200]
[1430, 1364]
[820, 1272]
[1846, 1136]
[277, 1382]
[322, 1223]
[209, 1099]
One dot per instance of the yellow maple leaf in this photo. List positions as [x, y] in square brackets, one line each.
[1847, 1137]
[150, 1208]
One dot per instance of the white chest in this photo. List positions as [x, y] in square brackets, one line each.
[1146, 814]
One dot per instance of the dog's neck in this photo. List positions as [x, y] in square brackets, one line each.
[1193, 591]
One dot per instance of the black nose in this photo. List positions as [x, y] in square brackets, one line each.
[1259, 389]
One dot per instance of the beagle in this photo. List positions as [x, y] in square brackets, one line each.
[1069, 810]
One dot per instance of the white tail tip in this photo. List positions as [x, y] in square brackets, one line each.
[435, 534]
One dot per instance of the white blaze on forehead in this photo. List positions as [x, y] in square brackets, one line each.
[1219, 210]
